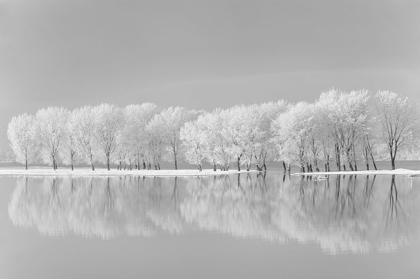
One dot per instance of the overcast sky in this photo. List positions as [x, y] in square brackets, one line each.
[202, 54]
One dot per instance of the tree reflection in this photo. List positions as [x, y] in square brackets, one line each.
[341, 214]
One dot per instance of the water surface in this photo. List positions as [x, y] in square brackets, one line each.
[238, 226]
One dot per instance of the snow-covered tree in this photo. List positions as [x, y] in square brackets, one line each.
[291, 134]
[21, 137]
[156, 131]
[266, 148]
[134, 134]
[193, 137]
[68, 154]
[49, 133]
[173, 119]
[84, 119]
[399, 119]
[109, 123]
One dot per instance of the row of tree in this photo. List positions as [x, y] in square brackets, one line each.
[339, 126]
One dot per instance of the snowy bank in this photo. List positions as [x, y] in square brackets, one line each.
[104, 172]
[405, 172]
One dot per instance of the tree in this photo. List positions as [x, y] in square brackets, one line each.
[69, 145]
[156, 131]
[399, 121]
[108, 126]
[265, 150]
[173, 119]
[21, 137]
[291, 131]
[84, 129]
[49, 133]
[193, 137]
[134, 133]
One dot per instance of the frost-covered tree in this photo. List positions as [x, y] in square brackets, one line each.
[68, 154]
[291, 134]
[21, 137]
[84, 119]
[134, 134]
[173, 119]
[50, 130]
[266, 148]
[109, 123]
[207, 123]
[399, 120]
[222, 144]
[193, 137]
[156, 131]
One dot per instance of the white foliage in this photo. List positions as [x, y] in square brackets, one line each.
[21, 137]
[50, 128]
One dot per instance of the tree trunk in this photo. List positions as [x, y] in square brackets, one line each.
[26, 163]
[72, 167]
[374, 163]
[93, 167]
[214, 167]
[393, 163]
[107, 161]
[239, 163]
[367, 166]
[284, 166]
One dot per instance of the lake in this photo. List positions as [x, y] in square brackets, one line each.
[238, 226]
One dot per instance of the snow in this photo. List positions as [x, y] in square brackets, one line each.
[405, 172]
[105, 172]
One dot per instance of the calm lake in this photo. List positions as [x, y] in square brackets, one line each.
[238, 226]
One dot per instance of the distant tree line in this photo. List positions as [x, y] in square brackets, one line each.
[339, 127]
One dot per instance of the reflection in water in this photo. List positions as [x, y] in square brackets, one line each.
[341, 214]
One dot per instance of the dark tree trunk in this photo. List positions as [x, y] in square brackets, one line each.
[367, 166]
[239, 163]
[93, 167]
[284, 166]
[176, 163]
[214, 167]
[373, 161]
[393, 163]
[107, 161]
[26, 164]
[72, 167]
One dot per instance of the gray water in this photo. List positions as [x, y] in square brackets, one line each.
[247, 226]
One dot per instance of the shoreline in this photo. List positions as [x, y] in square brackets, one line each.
[105, 172]
[406, 172]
